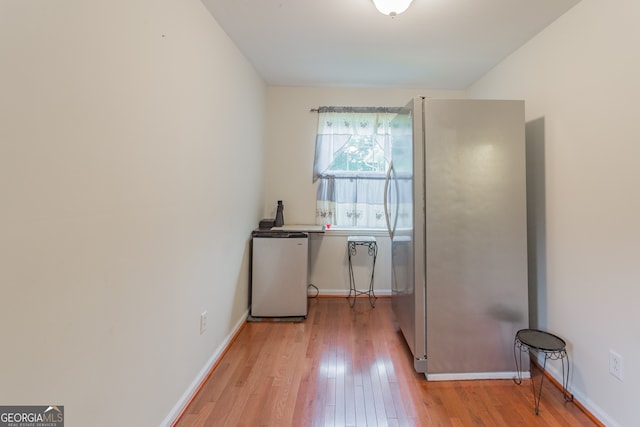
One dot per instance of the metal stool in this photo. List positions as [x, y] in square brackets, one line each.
[553, 347]
[370, 243]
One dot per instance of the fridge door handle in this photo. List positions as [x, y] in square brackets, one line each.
[386, 200]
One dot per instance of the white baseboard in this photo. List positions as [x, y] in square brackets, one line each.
[201, 376]
[342, 293]
[476, 376]
[579, 395]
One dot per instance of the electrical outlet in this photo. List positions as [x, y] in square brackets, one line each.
[616, 365]
[203, 321]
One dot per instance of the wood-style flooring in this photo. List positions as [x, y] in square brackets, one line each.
[347, 366]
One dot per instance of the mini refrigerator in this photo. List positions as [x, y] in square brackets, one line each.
[279, 268]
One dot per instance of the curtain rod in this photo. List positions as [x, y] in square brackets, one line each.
[395, 110]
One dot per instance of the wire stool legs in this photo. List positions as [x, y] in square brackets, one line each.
[520, 347]
[372, 250]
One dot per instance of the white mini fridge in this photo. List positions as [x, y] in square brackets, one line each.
[279, 268]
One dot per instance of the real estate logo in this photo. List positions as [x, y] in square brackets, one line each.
[32, 416]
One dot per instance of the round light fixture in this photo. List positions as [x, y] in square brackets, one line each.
[392, 7]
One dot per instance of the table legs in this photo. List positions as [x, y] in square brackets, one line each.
[373, 252]
[553, 355]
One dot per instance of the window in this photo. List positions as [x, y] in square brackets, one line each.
[353, 149]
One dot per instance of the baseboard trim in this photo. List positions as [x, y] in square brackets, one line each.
[333, 293]
[463, 376]
[201, 378]
[576, 396]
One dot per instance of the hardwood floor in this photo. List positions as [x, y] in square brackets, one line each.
[350, 367]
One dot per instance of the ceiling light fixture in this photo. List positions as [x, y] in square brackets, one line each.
[392, 7]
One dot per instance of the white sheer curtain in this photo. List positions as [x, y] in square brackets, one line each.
[353, 148]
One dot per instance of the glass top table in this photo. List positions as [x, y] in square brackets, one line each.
[540, 340]
[553, 347]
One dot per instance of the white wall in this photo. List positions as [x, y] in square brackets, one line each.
[291, 132]
[579, 79]
[131, 146]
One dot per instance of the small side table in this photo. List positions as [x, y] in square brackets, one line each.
[352, 248]
[552, 346]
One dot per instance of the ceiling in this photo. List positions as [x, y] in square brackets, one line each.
[435, 44]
